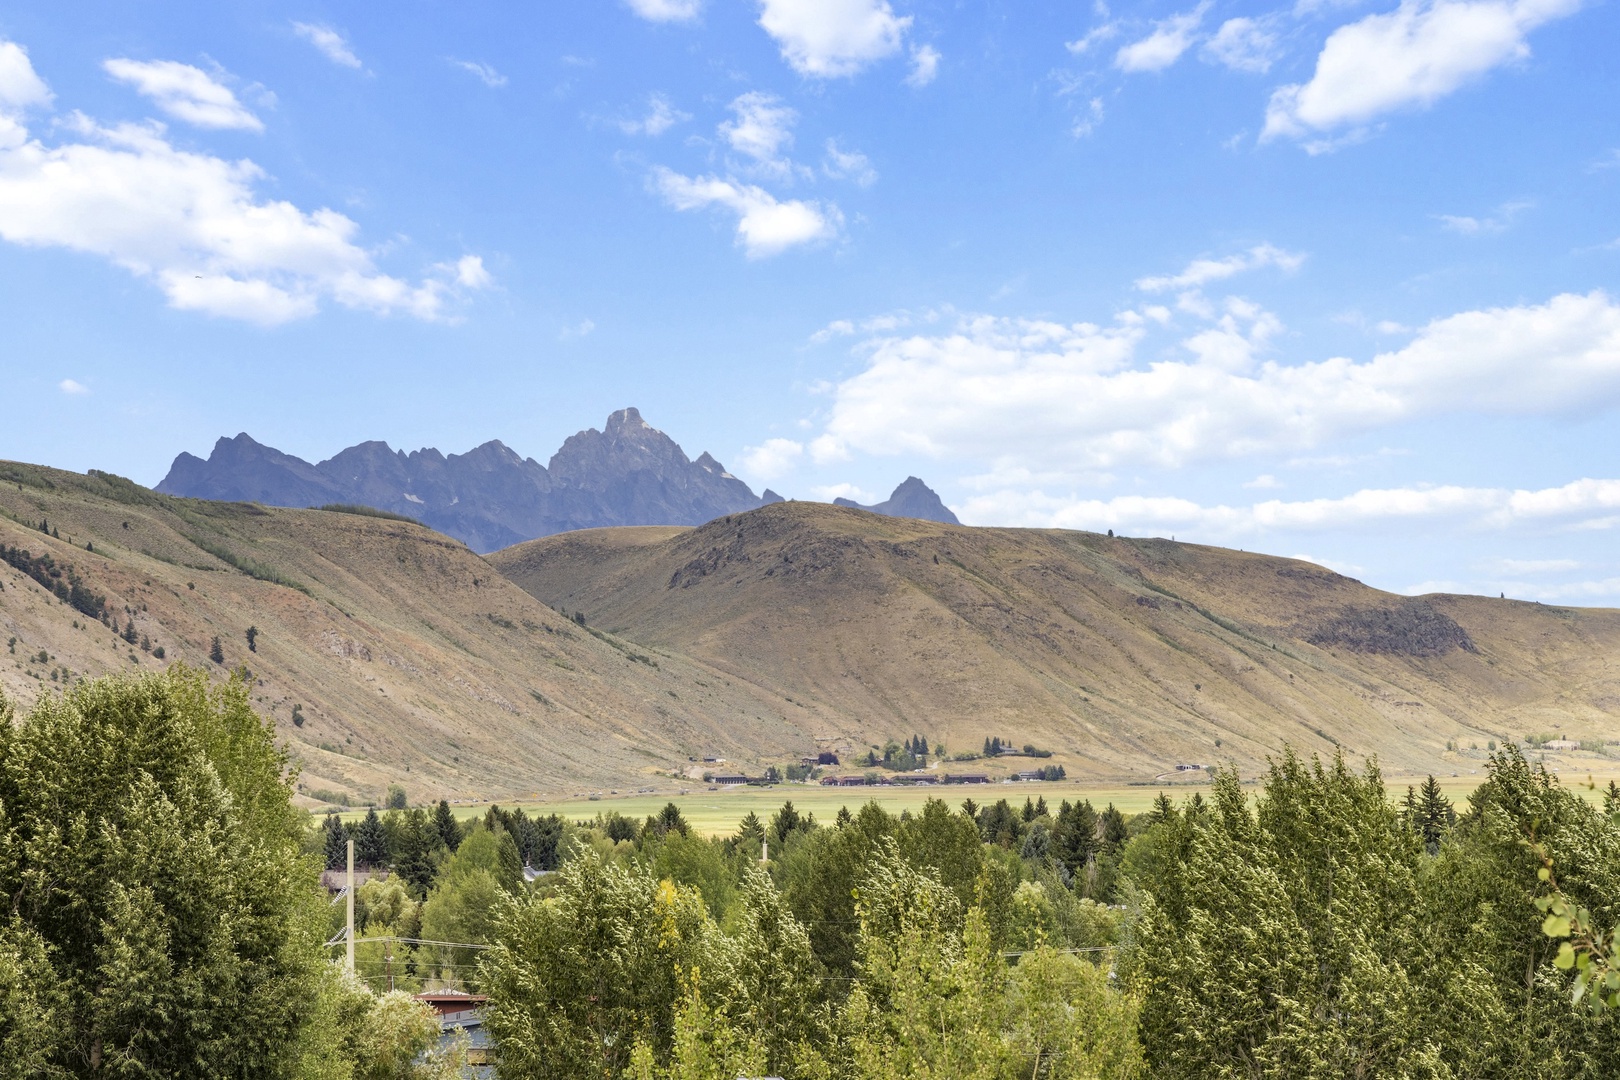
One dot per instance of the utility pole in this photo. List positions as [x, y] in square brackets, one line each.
[765, 848]
[349, 937]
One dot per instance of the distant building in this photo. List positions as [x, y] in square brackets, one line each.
[463, 1014]
[965, 778]
[1032, 774]
[729, 781]
[1191, 768]
[333, 881]
[1560, 744]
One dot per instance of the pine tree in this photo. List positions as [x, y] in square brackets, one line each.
[1611, 798]
[216, 651]
[253, 639]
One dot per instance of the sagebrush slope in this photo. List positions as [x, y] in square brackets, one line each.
[1127, 656]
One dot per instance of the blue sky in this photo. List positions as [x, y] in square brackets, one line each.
[1330, 279]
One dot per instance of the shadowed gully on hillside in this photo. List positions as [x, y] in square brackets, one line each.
[385, 652]
[1126, 656]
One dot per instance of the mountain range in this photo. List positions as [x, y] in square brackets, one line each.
[629, 473]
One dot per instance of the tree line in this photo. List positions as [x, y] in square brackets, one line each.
[165, 920]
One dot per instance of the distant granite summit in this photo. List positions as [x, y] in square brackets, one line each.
[629, 473]
[912, 499]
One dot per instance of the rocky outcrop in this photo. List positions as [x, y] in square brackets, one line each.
[1414, 628]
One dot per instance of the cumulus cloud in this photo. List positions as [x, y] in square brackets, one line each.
[332, 44]
[830, 492]
[1480, 507]
[21, 90]
[1406, 58]
[765, 225]
[772, 458]
[193, 223]
[1053, 397]
[185, 93]
[72, 386]
[485, 73]
[830, 39]
[1165, 45]
[760, 129]
[660, 117]
[924, 66]
[842, 164]
[667, 10]
[1243, 45]
[1201, 272]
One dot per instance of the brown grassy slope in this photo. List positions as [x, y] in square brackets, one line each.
[413, 660]
[1126, 656]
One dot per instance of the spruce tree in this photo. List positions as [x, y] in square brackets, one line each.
[370, 842]
[1611, 798]
[253, 639]
[1435, 815]
[216, 651]
[335, 843]
[445, 822]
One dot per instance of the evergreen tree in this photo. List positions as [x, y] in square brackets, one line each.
[253, 639]
[1435, 815]
[750, 829]
[1611, 798]
[784, 822]
[335, 843]
[216, 651]
[445, 822]
[371, 842]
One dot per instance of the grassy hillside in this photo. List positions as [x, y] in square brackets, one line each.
[411, 660]
[1125, 656]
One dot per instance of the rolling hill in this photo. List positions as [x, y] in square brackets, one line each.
[409, 659]
[1124, 656]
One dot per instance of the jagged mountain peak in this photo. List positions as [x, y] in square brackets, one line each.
[912, 499]
[628, 473]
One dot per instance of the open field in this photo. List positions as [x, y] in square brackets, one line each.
[716, 813]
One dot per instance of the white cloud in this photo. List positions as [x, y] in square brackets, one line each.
[1477, 507]
[661, 116]
[1170, 39]
[835, 329]
[924, 66]
[761, 129]
[833, 38]
[830, 492]
[573, 333]
[1529, 566]
[21, 89]
[1409, 57]
[1201, 272]
[772, 458]
[667, 10]
[1087, 122]
[1243, 45]
[332, 44]
[1082, 45]
[765, 225]
[486, 74]
[72, 386]
[185, 93]
[848, 165]
[1055, 397]
[1264, 480]
[195, 225]
[1492, 223]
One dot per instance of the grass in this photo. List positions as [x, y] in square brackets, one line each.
[716, 813]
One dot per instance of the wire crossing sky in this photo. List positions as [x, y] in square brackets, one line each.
[1333, 278]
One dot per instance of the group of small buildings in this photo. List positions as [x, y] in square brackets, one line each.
[915, 778]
